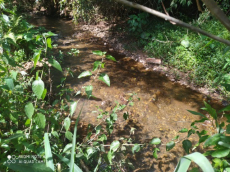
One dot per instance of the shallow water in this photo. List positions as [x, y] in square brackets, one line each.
[161, 111]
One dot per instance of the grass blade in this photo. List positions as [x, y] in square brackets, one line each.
[48, 153]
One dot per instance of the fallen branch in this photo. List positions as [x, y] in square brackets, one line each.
[169, 18]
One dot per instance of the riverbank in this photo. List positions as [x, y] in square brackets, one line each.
[118, 41]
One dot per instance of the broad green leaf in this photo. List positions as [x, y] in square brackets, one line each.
[111, 58]
[220, 153]
[29, 110]
[89, 152]
[155, 141]
[48, 153]
[38, 87]
[114, 145]
[48, 41]
[198, 158]
[99, 53]
[10, 83]
[85, 74]
[213, 140]
[55, 64]
[69, 135]
[126, 115]
[40, 120]
[170, 145]
[22, 167]
[197, 113]
[15, 136]
[89, 90]
[155, 153]
[6, 18]
[48, 34]
[67, 123]
[36, 57]
[14, 74]
[55, 134]
[67, 161]
[73, 107]
[183, 130]
[136, 148]
[96, 64]
[187, 144]
[105, 78]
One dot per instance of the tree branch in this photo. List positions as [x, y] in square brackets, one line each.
[178, 22]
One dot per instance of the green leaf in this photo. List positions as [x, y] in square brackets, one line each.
[111, 58]
[105, 78]
[155, 141]
[48, 41]
[40, 120]
[85, 74]
[99, 53]
[126, 115]
[227, 108]
[187, 144]
[27, 123]
[89, 90]
[114, 145]
[198, 158]
[29, 110]
[213, 140]
[220, 153]
[197, 113]
[224, 144]
[55, 134]
[210, 110]
[10, 36]
[67, 123]
[185, 43]
[48, 153]
[96, 64]
[110, 156]
[136, 148]
[48, 34]
[44, 94]
[183, 130]
[170, 145]
[69, 135]
[67, 161]
[155, 153]
[72, 157]
[98, 129]
[38, 87]
[15, 136]
[14, 74]
[73, 107]
[55, 64]
[67, 148]
[102, 138]
[10, 83]
[21, 167]
[36, 57]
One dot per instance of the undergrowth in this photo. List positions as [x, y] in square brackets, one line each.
[202, 58]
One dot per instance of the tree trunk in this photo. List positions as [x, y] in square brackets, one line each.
[217, 12]
[178, 22]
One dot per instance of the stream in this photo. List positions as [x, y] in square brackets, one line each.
[161, 110]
